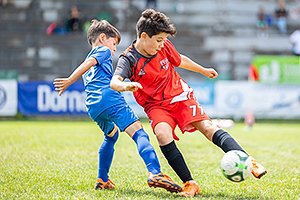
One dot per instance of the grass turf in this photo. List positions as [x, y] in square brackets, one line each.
[58, 160]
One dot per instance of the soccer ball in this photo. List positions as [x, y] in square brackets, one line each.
[235, 165]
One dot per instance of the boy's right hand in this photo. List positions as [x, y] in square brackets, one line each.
[61, 84]
[132, 86]
[210, 73]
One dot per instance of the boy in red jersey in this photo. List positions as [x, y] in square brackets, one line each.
[166, 98]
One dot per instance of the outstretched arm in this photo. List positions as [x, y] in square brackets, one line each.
[61, 84]
[117, 83]
[187, 63]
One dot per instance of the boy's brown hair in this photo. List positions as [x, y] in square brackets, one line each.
[153, 22]
[102, 26]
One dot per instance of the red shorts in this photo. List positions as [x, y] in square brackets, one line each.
[182, 113]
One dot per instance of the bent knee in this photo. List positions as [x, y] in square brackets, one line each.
[208, 129]
[135, 126]
[163, 132]
[113, 135]
[112, 132]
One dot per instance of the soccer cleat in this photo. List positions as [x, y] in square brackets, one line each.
[190, 189]
[163, 181]
[101, 185]
[257, 169]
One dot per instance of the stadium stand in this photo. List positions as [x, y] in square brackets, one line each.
[216, 33]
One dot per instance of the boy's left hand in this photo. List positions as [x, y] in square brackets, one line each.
[132, 86]
[211, 73]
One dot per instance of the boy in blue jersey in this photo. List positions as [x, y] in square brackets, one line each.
[109, 109]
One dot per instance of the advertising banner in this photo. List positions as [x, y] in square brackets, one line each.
[204, 92]
[8, 97]
[205, 95]
[40, 98]
[236, 98]
[276, 69]
[221, 99]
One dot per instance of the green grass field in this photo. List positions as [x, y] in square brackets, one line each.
[58, 160]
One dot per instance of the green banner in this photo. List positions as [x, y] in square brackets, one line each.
[8, 74]
[277, 69]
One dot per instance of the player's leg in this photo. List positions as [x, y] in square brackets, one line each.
[218, 136]
[226, 142]
[175, 159]
[163, 132]
[163, 126]
[145, 149]
[191, 117]
[126, 120]
[106, 152]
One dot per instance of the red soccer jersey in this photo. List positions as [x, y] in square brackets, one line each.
[162, 85]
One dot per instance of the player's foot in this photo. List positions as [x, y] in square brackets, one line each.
[190, 189]
[101, 185]
[257, 169]
[163, 181]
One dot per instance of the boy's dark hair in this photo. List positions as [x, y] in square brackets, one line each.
[102, 26]
[153, 22]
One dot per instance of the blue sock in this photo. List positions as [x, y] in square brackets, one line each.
[106, 154]
[146, 151]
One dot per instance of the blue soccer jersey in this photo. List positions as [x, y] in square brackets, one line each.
[97, 83]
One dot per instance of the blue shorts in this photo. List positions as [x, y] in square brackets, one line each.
[121, 115]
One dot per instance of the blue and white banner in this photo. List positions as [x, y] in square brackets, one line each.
[8, 97]
[204, 92]
[221, 99]
[40, 98]
[265, 101]
[205, 95]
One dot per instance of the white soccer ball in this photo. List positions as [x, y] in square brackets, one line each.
[236, 165]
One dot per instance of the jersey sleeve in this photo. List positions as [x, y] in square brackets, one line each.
[123, 68]
[102, 55]
[173, 55]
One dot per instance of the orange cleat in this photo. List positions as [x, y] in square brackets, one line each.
[163, 181]
[190, 189]
[257, 169]
[101, 185]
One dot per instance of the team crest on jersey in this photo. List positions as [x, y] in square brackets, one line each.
[142, 72]
[164, 64]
